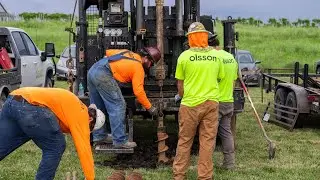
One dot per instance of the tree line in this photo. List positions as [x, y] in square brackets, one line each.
[249, 21]
[280, 22]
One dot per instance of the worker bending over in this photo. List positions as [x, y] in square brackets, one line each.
[226, 108]
[198, 70]
[43, 115]
[119, 66]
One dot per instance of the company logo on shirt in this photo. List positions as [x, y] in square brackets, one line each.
[203, 58]
[228, 61]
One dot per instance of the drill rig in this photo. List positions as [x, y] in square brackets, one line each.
[105, 24]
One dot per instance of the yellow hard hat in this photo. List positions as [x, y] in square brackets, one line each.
[196, 27]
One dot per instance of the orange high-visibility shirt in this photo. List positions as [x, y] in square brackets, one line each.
[73, 118]
[126, 71]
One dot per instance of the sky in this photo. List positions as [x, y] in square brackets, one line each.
[259, 9]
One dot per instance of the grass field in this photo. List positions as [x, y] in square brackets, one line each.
[273, 46]
[297, 154]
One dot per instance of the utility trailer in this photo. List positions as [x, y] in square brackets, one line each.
[104, 24]
[294, 100]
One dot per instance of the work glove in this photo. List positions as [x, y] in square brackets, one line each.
[177, 98]
[153, 111]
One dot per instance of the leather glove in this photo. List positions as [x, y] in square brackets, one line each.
[153, 111]
[177, 98]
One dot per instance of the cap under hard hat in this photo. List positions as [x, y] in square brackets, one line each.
[100, 119]
[196, 27]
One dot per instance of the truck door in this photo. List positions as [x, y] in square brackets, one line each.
[28, 63]
[34, 55]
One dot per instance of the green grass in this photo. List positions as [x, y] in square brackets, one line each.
[279, 47]
[297, 154]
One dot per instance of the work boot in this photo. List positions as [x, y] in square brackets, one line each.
[228, 161]
[127, 145]
[106, 140]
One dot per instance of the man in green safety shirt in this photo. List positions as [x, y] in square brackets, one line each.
[226, 108]
[198, 70]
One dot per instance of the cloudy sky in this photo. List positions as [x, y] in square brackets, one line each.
[262, 9]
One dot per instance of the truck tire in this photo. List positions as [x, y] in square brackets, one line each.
[3, 98]
[280, 98]
[49, 83]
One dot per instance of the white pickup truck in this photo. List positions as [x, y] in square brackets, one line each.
[31, 67]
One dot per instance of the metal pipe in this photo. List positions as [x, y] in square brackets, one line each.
[229, 36]
[187, 6]
[139, 18]
[160, 76]
[81, 53]
[159, 21]
[296, 73]
[179, 17]
[197, 10]
[132, 17]
[305, 75]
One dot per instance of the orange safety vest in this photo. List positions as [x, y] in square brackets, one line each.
[126, 70]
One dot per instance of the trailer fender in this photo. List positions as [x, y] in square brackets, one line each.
[301, 95]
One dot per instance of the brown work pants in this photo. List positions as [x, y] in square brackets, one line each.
[225, 133]
[205, 116]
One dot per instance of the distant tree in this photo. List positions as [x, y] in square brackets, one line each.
[284, 22]
[306, 22]
[244, 21]
[313, 24]
[295, 24]
[251, 21]
[239, 20]
[259, 22]
[316, 22]
[300, 22]
[272, 21]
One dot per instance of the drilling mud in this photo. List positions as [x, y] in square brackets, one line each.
[145, 154]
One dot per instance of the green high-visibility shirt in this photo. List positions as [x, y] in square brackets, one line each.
[200, 71]
[226, 84]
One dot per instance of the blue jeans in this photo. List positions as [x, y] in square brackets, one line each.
[106, 95]
[21, 122]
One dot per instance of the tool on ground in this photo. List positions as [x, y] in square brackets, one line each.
[272, 146]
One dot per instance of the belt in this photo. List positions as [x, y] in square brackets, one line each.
[18, 98]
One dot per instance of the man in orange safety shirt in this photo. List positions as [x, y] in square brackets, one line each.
[43, 115]
[124, 66]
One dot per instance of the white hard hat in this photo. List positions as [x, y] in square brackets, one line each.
[100, 119]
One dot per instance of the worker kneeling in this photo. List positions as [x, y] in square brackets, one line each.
[43, 115]
[121, 66]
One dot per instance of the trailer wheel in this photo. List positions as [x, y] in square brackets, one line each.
[280, 98]
[291, 102]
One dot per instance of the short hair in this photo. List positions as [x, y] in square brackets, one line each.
[92, 113]
[214, 42]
